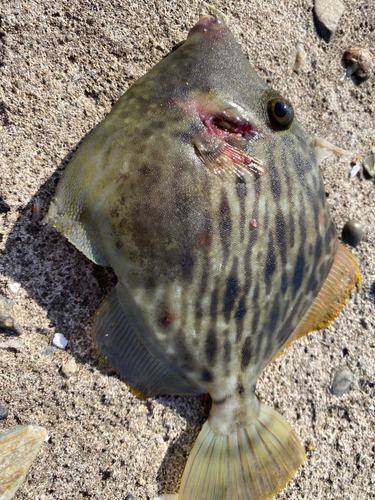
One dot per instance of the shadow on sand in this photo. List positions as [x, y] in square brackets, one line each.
[69, 287]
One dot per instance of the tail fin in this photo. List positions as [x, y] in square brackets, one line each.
[253, 463]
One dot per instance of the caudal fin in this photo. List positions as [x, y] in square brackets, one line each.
[253, 463]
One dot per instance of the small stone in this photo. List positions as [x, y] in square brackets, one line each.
[6, 312]
[51, 349]
[354, 171]
[129, 497]
[4, 207]
[369, 165]
[352, 233]
[3, 412]
[6, 315]
[69, 368]
[300, 60]
[167, 497]
[327, 16]
[59, 341]
[12, 345]
[18, 448]
[342, 381]
[15, 287]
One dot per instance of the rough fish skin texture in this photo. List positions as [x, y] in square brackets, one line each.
[214, 219]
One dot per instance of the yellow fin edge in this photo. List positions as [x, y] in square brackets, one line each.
[342, 278]
[251, 463]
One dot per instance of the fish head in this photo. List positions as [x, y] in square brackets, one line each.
[207, 129]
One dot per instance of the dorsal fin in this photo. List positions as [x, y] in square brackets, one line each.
[344, 274]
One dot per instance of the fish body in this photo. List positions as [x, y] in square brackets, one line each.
[203, 193]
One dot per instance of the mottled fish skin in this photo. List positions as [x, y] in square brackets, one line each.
[221, 297]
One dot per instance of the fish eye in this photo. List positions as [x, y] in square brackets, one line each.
[280, 113]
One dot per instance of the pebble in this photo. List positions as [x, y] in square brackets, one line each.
[49, 350]
[6, 312]
[14, 287]
[300, 60]
[166, 497]
[327, 16]
[59, 341]
[354, 171]
[6, 315]
[369, 165]
[69, 368]
[3, 412]
[4, 207]
[342, 381]
[12, 345]
[352, 233]
[129, 497]
[18, 448]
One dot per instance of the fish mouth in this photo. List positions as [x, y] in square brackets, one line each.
[209, 25]
[210, 21]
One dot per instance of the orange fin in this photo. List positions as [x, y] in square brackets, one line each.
[344, 274]
[229, 162]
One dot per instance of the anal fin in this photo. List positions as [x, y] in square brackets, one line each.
[124, 350]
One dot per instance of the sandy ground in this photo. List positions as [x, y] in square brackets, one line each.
[63, 65]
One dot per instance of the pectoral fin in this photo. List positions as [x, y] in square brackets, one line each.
[229, 162]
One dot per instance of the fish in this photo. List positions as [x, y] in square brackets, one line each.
[203, 192]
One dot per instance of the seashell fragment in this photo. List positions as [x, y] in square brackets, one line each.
[18, 448]
[358, 64]
[300, 60]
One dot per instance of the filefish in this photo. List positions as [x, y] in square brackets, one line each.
[203, 193]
